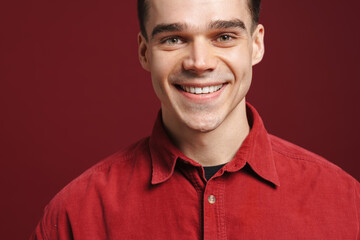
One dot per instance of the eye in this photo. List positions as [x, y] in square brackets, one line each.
[224, 38]
[172, 40]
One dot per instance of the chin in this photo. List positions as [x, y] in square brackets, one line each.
[203, 125]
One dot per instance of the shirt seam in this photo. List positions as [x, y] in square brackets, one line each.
[109, 161]
[84, 176]
[222, 214]
[45, 232]
[55, 225]
[318, 160]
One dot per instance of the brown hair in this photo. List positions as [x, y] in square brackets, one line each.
[143, 12]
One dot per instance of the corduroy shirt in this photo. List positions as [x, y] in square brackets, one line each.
[271, 189]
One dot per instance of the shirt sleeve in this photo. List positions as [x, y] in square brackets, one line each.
[54, 223]
[357, 205]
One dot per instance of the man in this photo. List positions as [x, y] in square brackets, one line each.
[209, 170]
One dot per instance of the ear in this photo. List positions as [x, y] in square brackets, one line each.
[258, 44]
[143, 52]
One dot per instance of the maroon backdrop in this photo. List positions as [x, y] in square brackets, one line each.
[72, 91]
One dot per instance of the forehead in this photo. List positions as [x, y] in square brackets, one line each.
[196, 13]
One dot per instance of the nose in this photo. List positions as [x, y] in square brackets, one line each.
[200, 57]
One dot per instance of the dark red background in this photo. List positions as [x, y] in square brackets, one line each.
[72, 90]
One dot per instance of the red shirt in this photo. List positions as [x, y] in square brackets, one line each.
[272, 189]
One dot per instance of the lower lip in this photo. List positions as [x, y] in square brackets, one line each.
[202, 97]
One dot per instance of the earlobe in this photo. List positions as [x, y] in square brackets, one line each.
[142, 51]
[258, 44]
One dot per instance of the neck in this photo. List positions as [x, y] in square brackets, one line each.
[215, 147]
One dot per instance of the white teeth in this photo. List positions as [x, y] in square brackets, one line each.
[204, 90]
[198, 90]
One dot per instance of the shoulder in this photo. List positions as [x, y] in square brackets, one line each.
[290, 155]
[293, 151]
[88, 191]
[110, 171]
[121, 158]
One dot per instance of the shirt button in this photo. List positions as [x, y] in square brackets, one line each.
[211, 199]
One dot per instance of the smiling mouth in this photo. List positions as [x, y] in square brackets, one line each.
[200, 90]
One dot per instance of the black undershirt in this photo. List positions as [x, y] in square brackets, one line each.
[210, 171]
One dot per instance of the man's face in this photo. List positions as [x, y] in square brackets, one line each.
[200, 54]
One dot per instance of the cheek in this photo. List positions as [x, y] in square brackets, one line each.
[164, 64]
[157, 66]
[239, 62]
[158, 73]
[161, 66]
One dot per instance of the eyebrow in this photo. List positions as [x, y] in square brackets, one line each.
[218, 24]
[173, 27]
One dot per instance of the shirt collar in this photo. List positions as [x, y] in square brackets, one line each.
[256, 150]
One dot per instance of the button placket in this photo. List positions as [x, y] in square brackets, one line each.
[214, 212]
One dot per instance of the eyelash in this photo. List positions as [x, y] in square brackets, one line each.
[226, 35]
